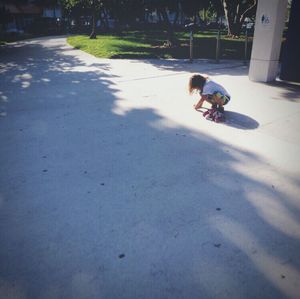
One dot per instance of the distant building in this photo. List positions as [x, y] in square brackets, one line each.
[52, 12]
[22, 16]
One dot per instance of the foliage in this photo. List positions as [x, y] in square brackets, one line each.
[192, 7]
[125, 12]
[236, 11]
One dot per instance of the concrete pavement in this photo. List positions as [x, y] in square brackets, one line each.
[112, 186]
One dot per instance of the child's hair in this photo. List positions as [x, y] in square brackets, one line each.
[196, 82]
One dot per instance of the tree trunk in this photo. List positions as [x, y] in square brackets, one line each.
[93, 34]
[176, 17]
[228, 18]
[235, 16]
[103, 19]
[106, 18]
[170, 32]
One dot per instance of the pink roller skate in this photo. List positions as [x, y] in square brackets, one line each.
[209, 114]
[218, 116]
[215, 114]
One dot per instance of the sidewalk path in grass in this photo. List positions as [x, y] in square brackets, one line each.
[112, 186]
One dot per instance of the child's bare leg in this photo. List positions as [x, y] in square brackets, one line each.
[217, 100]
[211, 100]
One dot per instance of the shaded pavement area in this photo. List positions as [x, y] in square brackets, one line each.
[113, 186]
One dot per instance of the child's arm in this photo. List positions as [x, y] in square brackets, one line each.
[200, 103]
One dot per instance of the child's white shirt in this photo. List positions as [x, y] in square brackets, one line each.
[211, 87]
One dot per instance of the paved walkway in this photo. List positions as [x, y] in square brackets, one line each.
[112, 186]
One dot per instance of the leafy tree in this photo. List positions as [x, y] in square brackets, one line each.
[93, 4]
[192, 7]
[80, 6]
[217, 7]
[123, 11]
[162, 7]
[235, 12]
[126, 11]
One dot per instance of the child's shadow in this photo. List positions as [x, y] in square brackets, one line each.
[238, 120]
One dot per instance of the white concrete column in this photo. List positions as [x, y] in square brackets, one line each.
[269, 25]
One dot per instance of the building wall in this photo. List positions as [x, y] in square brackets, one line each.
[52, 12]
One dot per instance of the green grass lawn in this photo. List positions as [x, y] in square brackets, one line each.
[110, 46]
[149, 44]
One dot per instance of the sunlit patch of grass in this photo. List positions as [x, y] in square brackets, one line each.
[149, 44]
[111, 46]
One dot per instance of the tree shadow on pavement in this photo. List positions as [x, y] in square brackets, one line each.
[288, 90]
[96, 204]
[232, 67]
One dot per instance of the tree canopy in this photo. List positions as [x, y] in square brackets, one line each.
[127, 11]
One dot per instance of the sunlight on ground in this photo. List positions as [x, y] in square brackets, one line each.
[274, 200]
[3, 97]
[274, 212]
[24, 79]
[21, 77]
[7, 67]
[246, 168]
[25, 84]
[274, 269]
